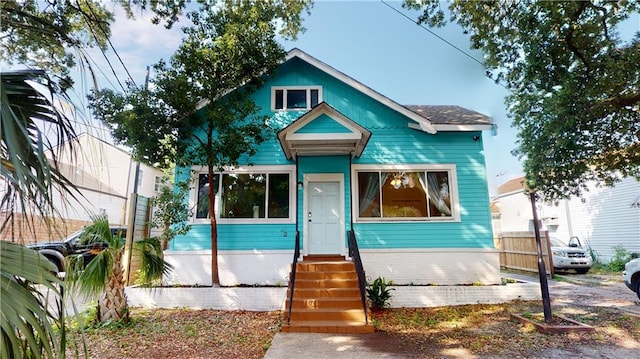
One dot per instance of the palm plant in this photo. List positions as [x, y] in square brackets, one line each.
[28, 322]
[104, 275]
[28, 104]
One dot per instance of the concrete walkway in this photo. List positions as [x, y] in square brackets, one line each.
[323, 346]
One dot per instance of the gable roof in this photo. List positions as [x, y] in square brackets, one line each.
[350, 138]
[422, 123]
[430, 119]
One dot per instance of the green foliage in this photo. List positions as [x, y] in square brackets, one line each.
[93, 279]
[172, 211]
[54, 35]
[574, 84]
[30, 176]
[32, 180]
[153, 265]
[620, 257]
[379, 294]
[200, 111]
[27, 320]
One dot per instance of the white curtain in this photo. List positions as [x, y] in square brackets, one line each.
[437, 193]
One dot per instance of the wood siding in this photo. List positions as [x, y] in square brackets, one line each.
[392, 142]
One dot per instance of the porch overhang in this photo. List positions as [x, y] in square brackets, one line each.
[344, 137]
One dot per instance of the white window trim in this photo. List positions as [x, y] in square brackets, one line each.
[193, 194]
[453, 191]
[157, 184]
[284, 98]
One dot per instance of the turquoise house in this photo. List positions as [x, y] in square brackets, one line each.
[408, 181]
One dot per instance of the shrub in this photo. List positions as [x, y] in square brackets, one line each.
[620, 257]
[379, 294]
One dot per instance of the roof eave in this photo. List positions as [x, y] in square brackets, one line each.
[423, 123]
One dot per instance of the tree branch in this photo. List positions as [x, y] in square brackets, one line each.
[569, 37]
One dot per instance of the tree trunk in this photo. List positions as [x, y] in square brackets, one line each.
[215, 280]
[112, 305]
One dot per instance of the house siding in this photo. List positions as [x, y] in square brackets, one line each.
[602, 219]
[443, 243]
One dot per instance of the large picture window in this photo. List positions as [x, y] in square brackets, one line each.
[410, 194]
[246, 196]
[295, 98]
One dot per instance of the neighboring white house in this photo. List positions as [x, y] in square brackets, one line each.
[604, 218]
[104, 174]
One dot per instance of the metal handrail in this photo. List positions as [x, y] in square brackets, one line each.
[354, 253]
[292, 275]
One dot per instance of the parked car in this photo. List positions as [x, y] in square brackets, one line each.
[570, 256]
[631, 275]
[58, 251]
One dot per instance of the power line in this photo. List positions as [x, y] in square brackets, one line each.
[433, 33]
[113, 48]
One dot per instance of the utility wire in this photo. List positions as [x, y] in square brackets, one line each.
[432, 33]
[113, 48]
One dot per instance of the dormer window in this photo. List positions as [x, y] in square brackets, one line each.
[295, 98]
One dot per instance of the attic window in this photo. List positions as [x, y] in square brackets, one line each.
[295, 98]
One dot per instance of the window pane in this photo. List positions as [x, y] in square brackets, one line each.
[369, 194]
[279, 99]
[439, 194]
[314, 97]
[279, 195]
[403, 195]
[296, 99]
[202, 208]
[243, 195]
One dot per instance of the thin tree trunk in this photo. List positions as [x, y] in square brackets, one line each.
[215, 280]
[112, 304]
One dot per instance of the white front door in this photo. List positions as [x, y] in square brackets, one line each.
[324, 217]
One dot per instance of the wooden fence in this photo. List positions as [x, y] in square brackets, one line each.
[518, 251]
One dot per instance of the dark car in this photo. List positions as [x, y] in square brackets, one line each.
[58, 251]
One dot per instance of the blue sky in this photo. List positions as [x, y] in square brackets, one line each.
[368, 41]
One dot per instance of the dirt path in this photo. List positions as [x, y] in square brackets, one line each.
[591, 290]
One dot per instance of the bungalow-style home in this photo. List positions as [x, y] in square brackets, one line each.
[408, 182]
[105, 177]
[605, 217]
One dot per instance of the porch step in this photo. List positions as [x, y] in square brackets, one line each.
[323, 303]
[329, 326]
[326, 298]
[323, 258]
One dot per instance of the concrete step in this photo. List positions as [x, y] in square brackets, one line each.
[324, 303]
[315, 293]
[326, 283]
[350, 274]
[325, 266]
[333, 314]
[323, 258]
[329, 326]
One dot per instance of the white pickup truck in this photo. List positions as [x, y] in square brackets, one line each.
[631, 275]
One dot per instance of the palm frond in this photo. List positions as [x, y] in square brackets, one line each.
[26, 325]
[92, 279]
[28, 105]
[153, 265]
